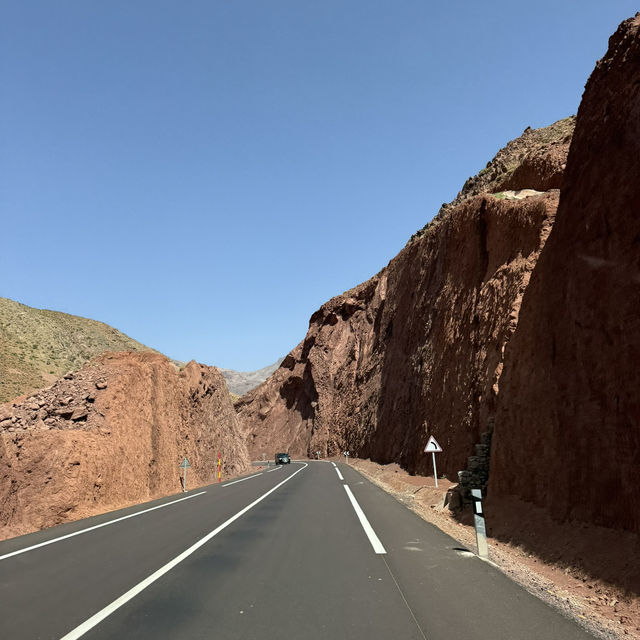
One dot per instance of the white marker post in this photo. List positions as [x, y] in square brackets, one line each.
[184, 465]
[433, 447]
[346, 456]
[478, 521]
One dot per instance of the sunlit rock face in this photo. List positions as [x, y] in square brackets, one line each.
[113, 434]
[482, 325]
[416, 350]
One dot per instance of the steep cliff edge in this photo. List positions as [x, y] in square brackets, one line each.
[567, 434]
[416, 350]
[428, 346]
[536, 159]
[111, 434]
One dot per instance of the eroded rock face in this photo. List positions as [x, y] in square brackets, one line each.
[111, 434]
[428, 345]
[535, 160]
[416, 350]
[567, 433]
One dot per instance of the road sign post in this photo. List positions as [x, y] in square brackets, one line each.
[433, 447]
[346, 456]
[435, 473]
[219, 468]
[184, 465]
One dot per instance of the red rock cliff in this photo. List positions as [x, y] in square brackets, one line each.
[416, 350]
[420, 348]
[112, 434]
[567, 434]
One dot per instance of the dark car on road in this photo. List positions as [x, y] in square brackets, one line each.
[283, 458]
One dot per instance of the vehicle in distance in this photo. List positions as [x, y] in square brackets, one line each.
[283, 458]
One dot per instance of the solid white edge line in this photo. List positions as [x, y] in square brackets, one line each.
[339, 474]
[255, 475]
[333, 463]
[95, 619]
[368, 529]
[97, 526]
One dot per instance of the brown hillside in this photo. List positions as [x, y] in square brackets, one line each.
[535, 160]
[570, 398]
[416, 350]
[113, 434]
[38, 346]
[420, 348]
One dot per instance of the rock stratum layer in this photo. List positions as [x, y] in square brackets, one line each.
[112, 434]
[480, 321]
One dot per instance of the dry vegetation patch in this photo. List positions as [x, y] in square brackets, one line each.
[39, 346]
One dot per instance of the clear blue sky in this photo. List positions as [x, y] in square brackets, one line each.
[203, 175]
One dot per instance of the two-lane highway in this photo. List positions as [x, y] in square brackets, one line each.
[309, 550]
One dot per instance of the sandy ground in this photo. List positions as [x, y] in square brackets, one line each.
[605, 610]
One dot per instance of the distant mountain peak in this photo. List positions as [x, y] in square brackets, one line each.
[241, 382]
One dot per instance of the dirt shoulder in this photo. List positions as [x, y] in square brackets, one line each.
[605, 610]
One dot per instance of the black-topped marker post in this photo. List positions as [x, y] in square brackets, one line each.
[478, 521]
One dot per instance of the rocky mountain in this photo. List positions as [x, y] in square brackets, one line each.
[38, 346]
[418, 349]
[567, 420]
[507, 331]
[537, 158]
[113, 434]
[239, 382]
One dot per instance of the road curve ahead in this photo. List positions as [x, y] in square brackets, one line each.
[309, 550]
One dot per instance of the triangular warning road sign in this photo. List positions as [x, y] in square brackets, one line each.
[184, 464]
[432, 446]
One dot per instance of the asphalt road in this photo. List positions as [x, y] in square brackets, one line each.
[280, 553]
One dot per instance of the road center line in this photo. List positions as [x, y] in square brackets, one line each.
[339, 474]
[368, 529]
[95, 619]
[97, 526]
[276, 469]
[255, 475]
